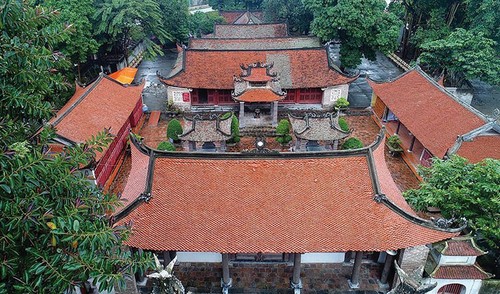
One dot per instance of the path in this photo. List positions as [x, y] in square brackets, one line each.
[155, 93]
[382, 69]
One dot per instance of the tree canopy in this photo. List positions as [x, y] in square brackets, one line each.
[293, 12]
[56, 231]
[121, 22]
[463, 189]
[362, 27]
[463, 55]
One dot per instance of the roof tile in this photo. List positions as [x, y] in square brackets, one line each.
[301, 68]
[427, 110]
[269, 205]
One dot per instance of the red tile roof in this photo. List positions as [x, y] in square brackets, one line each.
[461, 246]
[427, 110]
[237, 31]
[300, 68]
[231, 16]
[269, 204]
[258, 95]
[106, 104]
[480, 148]
[460, 272]
[254, 44]
[136, 181]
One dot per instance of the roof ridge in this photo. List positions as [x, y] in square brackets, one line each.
[79, 100]
[451, 95]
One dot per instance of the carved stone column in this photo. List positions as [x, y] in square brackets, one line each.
[242, 114]
[296, 283]
[354, 281]
[226, 281]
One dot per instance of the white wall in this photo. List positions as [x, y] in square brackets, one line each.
[199, 257]
[454, 260]
[178, 103]
[323, 257]
[471, 286]
[328, 100]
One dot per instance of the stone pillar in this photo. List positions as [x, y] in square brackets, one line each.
[296, 283]
[354, 280]
[389, 259]
[226, 281]
[242, 114]
[275, 113]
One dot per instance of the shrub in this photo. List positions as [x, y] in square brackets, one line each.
[283, 131]
[341, 103]
[174, 129]
[167, 146]
[352, 143]
[235, 130]
[343, 125]
[394, 142]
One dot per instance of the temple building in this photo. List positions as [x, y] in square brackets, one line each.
[104, 105]
[262, 206]
[204, 74]
[431, 121]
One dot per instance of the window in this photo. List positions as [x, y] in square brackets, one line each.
[335, 94]
[177, 96]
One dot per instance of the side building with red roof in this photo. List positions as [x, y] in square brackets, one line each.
[105, 105]
[432, 122]
[345, 202]
[452, 265]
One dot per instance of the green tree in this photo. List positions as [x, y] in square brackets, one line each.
[174, 129]
[235, 4]
[119, 23]
[30, 79]
[55, 228]
[176, 18]
[293, 12]
[77, 14]
[283, 132]
[362, 27]
[463, 55]
[463, 189]
[352, 143]
[203, 23]
[483, 16]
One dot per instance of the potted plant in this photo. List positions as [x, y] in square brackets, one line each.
[166, 146]
[394, 145]
[283, 132]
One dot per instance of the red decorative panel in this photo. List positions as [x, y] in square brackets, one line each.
[185, 97]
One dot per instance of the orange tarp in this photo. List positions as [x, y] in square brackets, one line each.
[125, 75]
